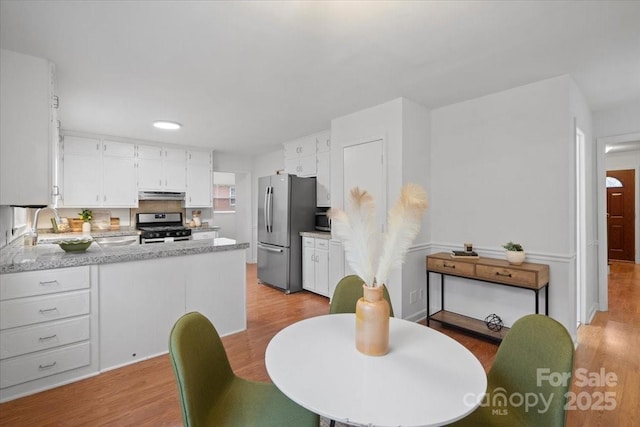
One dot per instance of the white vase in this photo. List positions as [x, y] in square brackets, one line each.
[86, 228]
[515, 257]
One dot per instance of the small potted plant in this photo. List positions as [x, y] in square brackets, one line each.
[86, 215]
[514, 252]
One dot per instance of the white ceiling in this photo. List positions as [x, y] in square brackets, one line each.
[246, 76]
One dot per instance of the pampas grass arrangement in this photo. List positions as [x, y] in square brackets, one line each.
[371, 254]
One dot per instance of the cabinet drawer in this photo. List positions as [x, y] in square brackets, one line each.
[39, 365]
[29, 339]
[18, 285]
[507, 275]
[308, 242]
[451, 267]
[322, 244]
[27, 311]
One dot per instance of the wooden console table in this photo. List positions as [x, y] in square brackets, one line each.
[534, 277]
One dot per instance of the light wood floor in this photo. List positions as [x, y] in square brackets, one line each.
[144, 394]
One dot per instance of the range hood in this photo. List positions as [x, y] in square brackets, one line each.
[160, 195]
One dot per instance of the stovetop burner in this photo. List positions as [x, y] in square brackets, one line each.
[159, 227]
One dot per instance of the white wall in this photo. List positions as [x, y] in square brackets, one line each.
[502, 168]
[404, 126]
[621, 120]
[582, 116]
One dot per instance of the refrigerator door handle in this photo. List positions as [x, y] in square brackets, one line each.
[270, 210]
[266, 204]
[270, 248]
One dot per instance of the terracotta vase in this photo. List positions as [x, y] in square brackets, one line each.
[372, 322]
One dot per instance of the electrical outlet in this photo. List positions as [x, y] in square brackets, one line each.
[421, 294]
[412, 297]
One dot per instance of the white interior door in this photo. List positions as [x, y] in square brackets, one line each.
[363, 167]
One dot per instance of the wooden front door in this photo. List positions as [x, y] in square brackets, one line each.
[621, 214]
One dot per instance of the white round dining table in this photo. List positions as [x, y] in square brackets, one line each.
[426, 378]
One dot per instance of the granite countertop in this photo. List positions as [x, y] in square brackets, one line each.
[16, 258]
[203, 228]
[317, 234]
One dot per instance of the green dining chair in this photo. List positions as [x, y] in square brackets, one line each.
[347, 293]
[212, 395]
[531, 360]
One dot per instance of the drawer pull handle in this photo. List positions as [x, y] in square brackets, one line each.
[49, 282]
[48, 310]
[50, 337]
[50, 365]
[449, 265]
[503, 274]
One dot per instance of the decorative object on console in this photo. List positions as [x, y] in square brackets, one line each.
[464, 254]
[514, 252]
[494, 322]
[372, 255]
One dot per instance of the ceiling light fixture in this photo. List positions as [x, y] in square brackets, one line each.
[166, 125]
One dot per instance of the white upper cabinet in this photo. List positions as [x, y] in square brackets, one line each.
[311, 156]
[300, 157]
[118, 174]
[199, 191]
[323, 142]
[81, 168]
[26, 102]
[163, 169]
[323, 179]
[97, 173]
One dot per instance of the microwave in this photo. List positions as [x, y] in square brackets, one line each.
[323, 222]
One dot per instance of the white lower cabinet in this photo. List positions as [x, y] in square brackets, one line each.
[140, 301]
[47, 330]
[315, 265]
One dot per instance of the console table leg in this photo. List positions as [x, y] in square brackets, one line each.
[442, 292]
[427, 298]
[537, 310]
[546, 300]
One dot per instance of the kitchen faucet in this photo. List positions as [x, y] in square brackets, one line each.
[34, 228]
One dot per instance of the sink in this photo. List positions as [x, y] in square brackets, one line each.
[117, 241]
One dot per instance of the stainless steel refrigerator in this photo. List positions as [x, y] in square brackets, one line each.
[286, 206]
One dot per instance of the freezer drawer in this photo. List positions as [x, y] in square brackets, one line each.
[273, 265]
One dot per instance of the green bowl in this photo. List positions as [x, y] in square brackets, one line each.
[75, 245]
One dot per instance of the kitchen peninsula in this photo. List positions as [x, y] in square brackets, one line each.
[67, 316]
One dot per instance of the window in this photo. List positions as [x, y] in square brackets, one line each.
[613, 182]
[224, 192]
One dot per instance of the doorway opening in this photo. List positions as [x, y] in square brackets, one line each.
[621, 150]
[620, 215]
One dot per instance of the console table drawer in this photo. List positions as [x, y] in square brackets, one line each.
[457, 268]
[507, 275]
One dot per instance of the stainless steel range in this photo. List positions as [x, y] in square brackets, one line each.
[162, 227]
